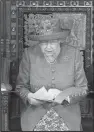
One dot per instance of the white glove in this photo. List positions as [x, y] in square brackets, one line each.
[33, 101]
[53, 93]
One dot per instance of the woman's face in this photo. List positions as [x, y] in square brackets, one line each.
[50, 47]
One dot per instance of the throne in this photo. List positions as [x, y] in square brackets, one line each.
[19, 13]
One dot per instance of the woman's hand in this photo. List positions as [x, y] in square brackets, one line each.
[60, 98]
[33, 101]
[48, 105]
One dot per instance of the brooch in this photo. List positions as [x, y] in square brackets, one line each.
[66, 58]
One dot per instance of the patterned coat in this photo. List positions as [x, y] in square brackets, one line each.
[67, 74]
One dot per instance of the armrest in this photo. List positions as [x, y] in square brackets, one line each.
[5, 94]
[6, 87]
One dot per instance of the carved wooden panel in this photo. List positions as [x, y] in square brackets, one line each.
[12, 33]
[87, 108]
[5, 111]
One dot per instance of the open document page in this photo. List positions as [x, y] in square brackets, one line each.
[43, 94]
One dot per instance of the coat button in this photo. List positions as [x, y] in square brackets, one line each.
[53, 78]
[53, 86]
[53, 70]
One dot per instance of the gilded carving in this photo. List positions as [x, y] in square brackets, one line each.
[16, 37]
[53, 3]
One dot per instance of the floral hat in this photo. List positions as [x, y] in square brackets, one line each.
[48, 27]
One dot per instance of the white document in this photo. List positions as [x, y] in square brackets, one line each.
[43, 94]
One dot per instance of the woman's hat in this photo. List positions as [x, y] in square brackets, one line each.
[49, 27]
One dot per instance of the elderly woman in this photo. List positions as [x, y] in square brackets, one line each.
[54, 64]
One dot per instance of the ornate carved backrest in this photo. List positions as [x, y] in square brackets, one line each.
[18, 18]
[21, 17]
